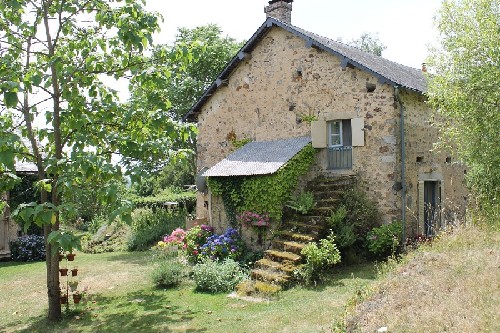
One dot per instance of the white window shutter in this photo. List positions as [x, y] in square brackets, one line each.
[318, 134]
[421, 207]
[358, 133]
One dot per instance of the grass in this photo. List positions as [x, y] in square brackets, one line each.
[451, 285]
[122, 299]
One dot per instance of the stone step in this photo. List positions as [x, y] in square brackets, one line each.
[257, 288]
[329, 201]
[266, 264]
[297, 237]
[282, 256]
[308, 219]
[300, 227]
[289, 246]
[270, 276]
[325, 210]
[325, 181]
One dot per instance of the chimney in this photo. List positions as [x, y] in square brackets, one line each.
[280, 10]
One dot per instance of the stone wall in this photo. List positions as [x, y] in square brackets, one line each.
[268, 95]
[426, 162]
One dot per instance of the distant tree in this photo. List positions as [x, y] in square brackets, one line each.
[58, 113]
[177, 84]
[368, 42]
[464, 89]
[174, 86]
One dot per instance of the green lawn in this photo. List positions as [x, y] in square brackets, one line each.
[122, 299]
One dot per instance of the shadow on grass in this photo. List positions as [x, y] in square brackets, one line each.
[336, 276]
[134, 312]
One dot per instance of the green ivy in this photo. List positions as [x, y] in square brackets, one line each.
[267, 193]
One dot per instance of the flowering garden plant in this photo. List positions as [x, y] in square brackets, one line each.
[194, 239]
[251, 219]
[176, 237]
[220, 247]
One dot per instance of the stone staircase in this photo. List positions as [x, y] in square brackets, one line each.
[275, 271]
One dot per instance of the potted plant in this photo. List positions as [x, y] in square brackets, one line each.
[70, 256]
[63, 271]
[73, 285]
[77, 297]
[74, 271]
[64, 298]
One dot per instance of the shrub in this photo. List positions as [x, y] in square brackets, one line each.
[176, 237]
[362, 215]
[303, 203]
[226, 246]
[318, 258]
[148, 226]
[384, 240]
[28, 248]
[216, 277]
[194, 239]
[344, 232]
[168, 273]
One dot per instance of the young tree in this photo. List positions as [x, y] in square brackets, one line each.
[58, 113]
[463, 88]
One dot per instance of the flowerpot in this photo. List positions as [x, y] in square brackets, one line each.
[63, 271]
[70, 256]
[74, 272]
[77, 298]
[61, 257]
[73, 286]
[64, 299]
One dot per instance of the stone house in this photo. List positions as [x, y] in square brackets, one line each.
[366, 115]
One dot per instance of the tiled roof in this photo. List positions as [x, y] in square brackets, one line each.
[258, 158]
[385, 70]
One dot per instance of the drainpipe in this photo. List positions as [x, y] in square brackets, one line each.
[403, 164]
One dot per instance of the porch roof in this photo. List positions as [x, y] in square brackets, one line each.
[258, 158]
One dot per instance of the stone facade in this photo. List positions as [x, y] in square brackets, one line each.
[269, 95]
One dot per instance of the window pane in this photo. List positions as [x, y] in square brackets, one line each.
[335, 139]
[335, 133]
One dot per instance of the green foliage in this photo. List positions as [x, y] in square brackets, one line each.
[383, 241]
[65, 240]
[362, 214]
[318, 258]
[177, 82]
[217, 277]
[463, 89]
[344, 232]
[194, 239]
[240, 143]
[148, 226]
[168, 273]
[267, 193]
[303, 203]
[186, 199]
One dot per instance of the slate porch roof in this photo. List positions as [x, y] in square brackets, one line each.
[258, 158]
[385, 70]
[26, 167]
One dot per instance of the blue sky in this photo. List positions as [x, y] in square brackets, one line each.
[404, 26]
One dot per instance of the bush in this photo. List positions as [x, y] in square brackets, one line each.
[28, 248]
[226, 246]
[168, 273]
[362, 215]
[344, 232]
[303, 203]
[194, 239]
[148, 226]
[318, 258]
[216, 277]
[384, 240]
